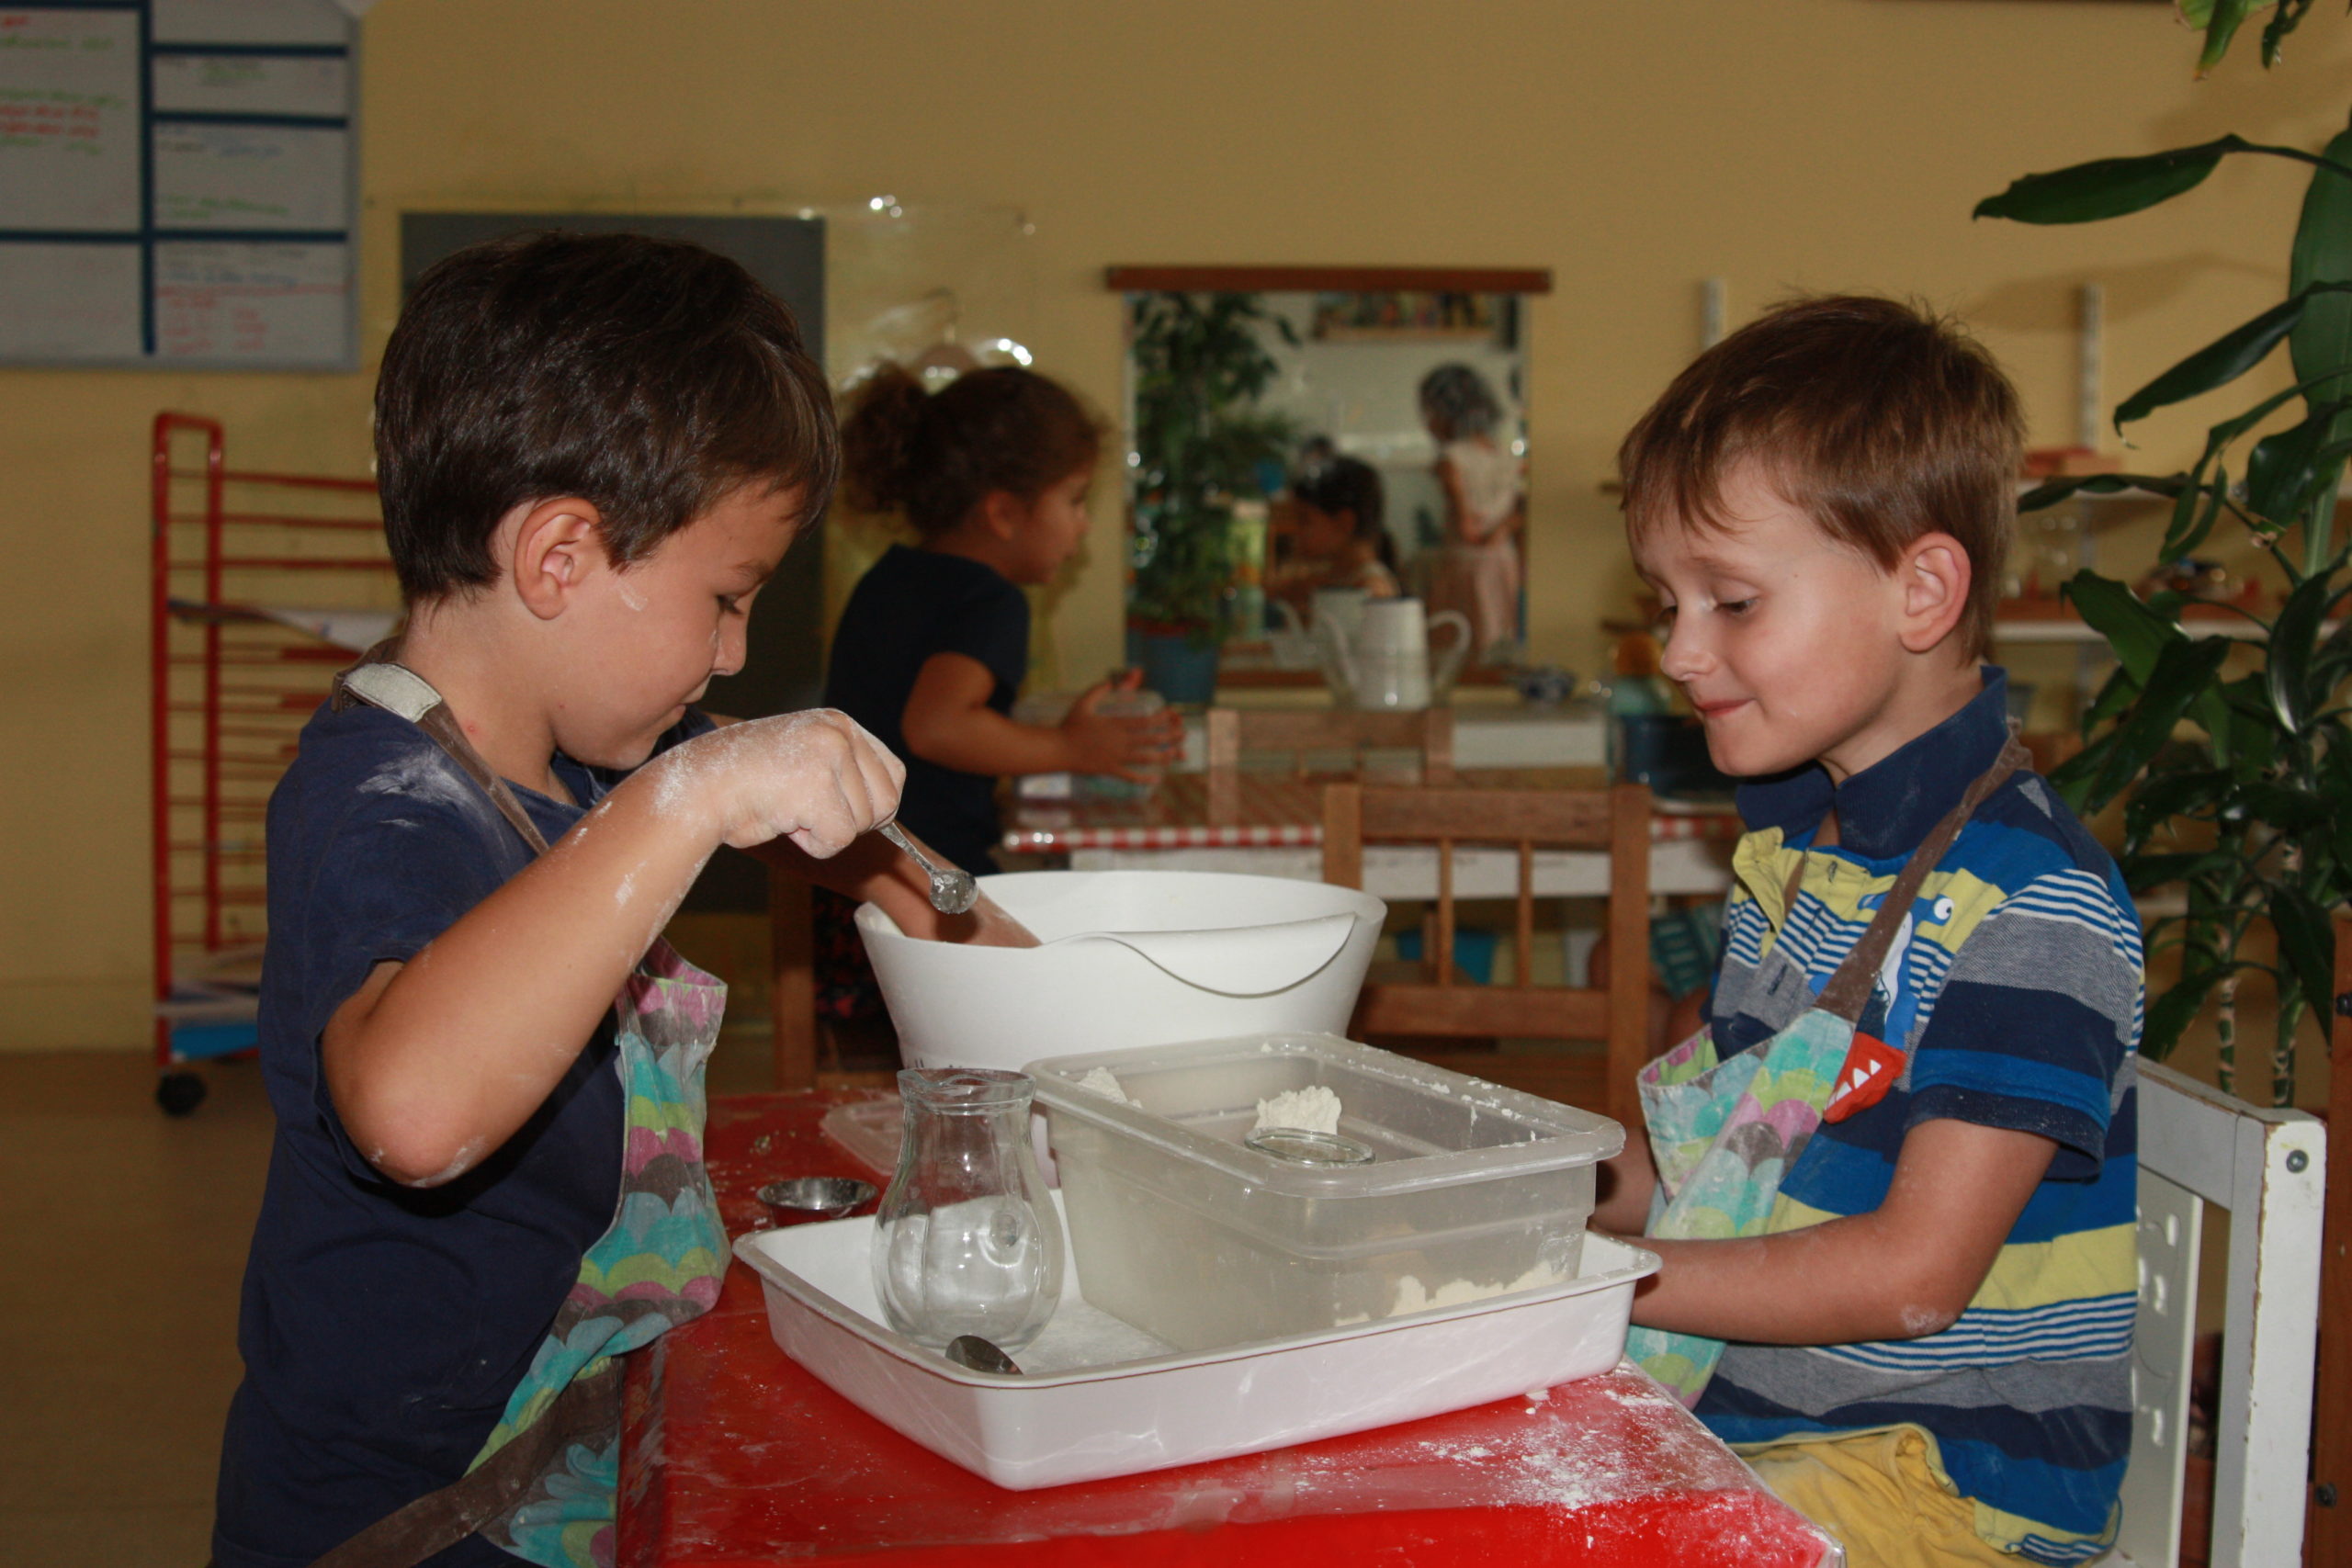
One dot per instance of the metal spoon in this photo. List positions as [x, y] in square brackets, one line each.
[980, 1356]
[953, 891]
[823, 1197]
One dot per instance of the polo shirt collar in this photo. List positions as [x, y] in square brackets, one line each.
[1888, 808]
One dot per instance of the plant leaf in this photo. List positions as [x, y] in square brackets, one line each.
[2073, 777]
[2177, 1008]
[2145, 873]
[2183, 672]
[2220, 28]
[2226, 358]
[2282, 471]
[2107, 187]
[2293, 636]
[2284, 20]
[2254, 729]
[2292, 811]
[2050, 492]
[2164, 796]
[2332, 660]
[2307, 943]
[2194, 515]
[2321, 345]
[2118, 693]
[2136, 633]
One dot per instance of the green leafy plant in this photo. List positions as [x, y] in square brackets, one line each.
[1199, 362]
[2235, 771]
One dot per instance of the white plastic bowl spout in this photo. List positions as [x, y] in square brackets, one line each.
[1128, 958]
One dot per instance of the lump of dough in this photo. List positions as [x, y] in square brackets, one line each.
[1311, 1109]
[1099, 1081]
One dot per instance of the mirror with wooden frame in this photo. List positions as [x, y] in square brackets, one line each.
[1292, 429]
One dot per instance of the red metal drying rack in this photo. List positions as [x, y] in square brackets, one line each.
[242, 558]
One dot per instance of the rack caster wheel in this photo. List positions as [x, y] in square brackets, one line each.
[179, 1093]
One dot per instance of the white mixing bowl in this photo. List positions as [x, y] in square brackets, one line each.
[1129, 958]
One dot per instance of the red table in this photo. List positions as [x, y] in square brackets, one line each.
[734, 1455]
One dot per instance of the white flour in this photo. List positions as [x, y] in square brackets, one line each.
[1312, 1109]
[1414, 1297]
[1101, 1081]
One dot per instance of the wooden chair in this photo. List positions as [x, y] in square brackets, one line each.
[1305, 731]
[2268, 1169]
[2330, 1534]
[1437, 1003]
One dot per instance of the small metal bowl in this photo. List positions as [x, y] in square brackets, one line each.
[815, 1197]
[1300, 1146]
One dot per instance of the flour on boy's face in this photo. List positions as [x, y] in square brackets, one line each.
[654, 635]
[1786, 641]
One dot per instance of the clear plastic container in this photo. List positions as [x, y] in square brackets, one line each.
[1473, 1190]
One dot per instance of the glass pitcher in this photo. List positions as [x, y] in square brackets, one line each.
[967, 1240]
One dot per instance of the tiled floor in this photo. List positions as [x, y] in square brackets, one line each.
[119, 1328]
[118, 1333]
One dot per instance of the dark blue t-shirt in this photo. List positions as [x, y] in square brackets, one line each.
[382, 1327]
[911, 604]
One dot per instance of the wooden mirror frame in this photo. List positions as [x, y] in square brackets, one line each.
[1333, 279]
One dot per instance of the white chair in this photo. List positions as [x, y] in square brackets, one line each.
[2268, 1169]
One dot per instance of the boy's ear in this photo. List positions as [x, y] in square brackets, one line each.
[1933, 578]
[559, 547]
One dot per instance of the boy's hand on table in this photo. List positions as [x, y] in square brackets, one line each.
[816, 779]
[1129, 746]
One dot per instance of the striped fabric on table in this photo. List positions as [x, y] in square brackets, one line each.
[1270, 810]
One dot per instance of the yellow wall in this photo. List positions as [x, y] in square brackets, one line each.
[1634, 148]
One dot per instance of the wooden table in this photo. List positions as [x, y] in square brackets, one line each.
[1272, 825]
[733, 1455]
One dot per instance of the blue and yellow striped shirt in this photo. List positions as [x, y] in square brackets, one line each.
[2016, 990]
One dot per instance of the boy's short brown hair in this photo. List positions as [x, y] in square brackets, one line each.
[1881, 421]
[648, 376]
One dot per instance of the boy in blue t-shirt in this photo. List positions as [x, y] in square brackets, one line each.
[592, 451]
[1928, 1332]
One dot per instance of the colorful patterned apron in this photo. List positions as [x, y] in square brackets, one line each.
[544, 1485]
[1725, 1132]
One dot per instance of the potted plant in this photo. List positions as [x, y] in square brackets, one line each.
[2235, 751]
[1199, 363]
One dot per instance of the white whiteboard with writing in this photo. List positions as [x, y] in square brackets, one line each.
[178, 184]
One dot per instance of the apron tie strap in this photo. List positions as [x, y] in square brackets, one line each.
[1849, 991]
[380, 680]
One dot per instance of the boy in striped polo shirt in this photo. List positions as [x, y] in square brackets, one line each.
[1927, 1343]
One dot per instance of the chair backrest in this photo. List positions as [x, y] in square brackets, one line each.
[1302, 732]
[2199, 1146]
[1615, 821]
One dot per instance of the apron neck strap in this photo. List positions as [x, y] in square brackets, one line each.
[1848, 990]
[380, 680]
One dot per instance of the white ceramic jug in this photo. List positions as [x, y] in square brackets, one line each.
[1387, 663]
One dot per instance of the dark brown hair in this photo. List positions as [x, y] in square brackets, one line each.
[648, 377]
[935, 455]
[1351, 485]
[1881, 421]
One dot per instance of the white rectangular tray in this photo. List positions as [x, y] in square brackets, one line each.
[1085, 1422]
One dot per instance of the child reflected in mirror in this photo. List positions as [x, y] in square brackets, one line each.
[1339, 539]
